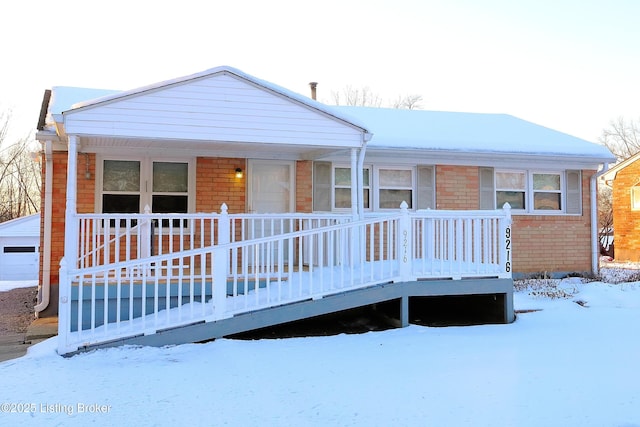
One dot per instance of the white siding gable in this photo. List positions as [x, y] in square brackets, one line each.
[216, 107]
[26, 226]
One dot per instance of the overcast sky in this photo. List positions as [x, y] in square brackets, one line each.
[569, 65]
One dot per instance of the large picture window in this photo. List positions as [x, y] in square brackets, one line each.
[130, 185]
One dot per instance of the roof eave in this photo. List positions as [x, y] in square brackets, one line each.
[492, 157]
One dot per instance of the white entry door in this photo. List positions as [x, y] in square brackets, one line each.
[271, 186]
[271, 191]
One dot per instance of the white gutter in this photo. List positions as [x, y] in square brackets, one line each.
[595, 247]
[45, 286]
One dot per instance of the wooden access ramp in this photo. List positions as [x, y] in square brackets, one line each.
[400, 292]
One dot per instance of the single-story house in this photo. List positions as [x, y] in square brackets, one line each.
[162, 183]
[624, 180]
[20, 248]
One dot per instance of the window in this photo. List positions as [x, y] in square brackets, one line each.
[635, 197]
[385, 187]
[511, 188]
[121, 186]
[19, 249]
[532, 191]
[394, 187]
[130, 185]
[342, 188]
[546, 192]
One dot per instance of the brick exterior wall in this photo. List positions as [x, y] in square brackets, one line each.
[457, 187]
[626, 222]
[304, 186]
[541, 243]
[216, 184]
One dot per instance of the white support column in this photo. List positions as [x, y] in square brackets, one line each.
[71, 224]
[356, 190]
[221, 264]
[404, 244]
[70, 259]
[505, 240]
[361, 155]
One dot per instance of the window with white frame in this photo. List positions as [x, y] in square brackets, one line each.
[394, 187]
[121, 186]
[342, 187]
[511, 188]
[127, 186]
[635, 197]
[547, 194]
[532, 191]
[385, 187]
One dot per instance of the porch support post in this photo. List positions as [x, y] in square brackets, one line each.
[70, 259]
[505, 242]
[404, 311]
[356, 191]
[71, 225]
[404, 244]
[361, 155]
[221, 264]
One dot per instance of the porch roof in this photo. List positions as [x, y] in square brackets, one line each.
[221, 109]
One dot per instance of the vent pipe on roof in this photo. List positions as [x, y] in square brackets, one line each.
[313, 86]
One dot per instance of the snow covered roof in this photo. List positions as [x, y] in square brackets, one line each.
[64, 97]
[395, 130]
[401, 129]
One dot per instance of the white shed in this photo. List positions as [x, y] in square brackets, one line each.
[20, 248]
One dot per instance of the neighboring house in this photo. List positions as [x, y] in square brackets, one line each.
[624, 180]
[165, 175]
[19, 248]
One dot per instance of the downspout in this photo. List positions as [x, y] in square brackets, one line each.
[595, 248]
[366, 137]
[45, 286]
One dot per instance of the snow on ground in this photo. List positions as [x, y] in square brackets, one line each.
[573, 362]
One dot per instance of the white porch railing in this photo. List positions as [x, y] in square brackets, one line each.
[215, 268]
[116, 238]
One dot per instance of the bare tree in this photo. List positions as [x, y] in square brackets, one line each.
[362, 97]
[605, 220]
[365, 97]
[19, 174]
[408, 102]
[622, 137]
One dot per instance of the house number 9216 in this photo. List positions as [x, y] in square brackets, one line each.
[405, 245]
[508, 249]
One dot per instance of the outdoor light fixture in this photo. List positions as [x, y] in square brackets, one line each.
[238, 173]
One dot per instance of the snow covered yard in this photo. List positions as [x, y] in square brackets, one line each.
[570, 359]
